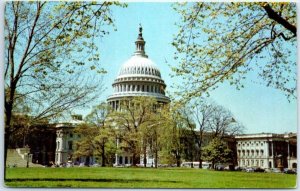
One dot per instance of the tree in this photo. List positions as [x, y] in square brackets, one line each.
[174, 127]
[105, 143]
[99, 115]
[85, 146]
[97, 135]
[204, 120]
[133, 113]
[104, 139]
[158, 132]
[217, 152]
[222, 123]
[40, 41]
[197, 115]
[220, 42]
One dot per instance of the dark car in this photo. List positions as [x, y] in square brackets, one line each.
[219, 167]
[258, 169]
[289, 171]
[237, 168]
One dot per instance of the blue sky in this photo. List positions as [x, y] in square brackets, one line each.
[258, 108]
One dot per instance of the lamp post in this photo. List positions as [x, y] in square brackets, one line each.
[27, 154]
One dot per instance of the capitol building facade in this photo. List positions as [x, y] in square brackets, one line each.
[138, 76]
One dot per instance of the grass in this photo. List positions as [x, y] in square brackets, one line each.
[144, 178]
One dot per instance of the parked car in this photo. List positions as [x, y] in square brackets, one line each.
[268, 170]
[289, 171]
[95, 165]
[219, 167]
[276, 170]
[238, 168]
[258, 169]
[250, 169]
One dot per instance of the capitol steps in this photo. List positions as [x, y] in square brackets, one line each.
[14, 159]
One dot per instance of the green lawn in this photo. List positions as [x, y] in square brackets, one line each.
[144, 178]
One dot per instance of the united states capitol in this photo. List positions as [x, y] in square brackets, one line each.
[139, 76]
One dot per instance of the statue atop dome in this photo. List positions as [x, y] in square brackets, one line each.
[140, 44]
[141, 29]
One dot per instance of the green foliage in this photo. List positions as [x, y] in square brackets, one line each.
[97, 136]
[175, 131]
[44, 47]
[132, 120]
[217, 152]
[224, 42]
[85, 145]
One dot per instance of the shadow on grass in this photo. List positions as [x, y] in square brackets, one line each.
[86, 180]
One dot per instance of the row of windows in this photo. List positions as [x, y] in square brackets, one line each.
[252, 162]
[138, 79]
[137, 88]
[125, 160]
[251, 144]
[60, 145]
[252, 152]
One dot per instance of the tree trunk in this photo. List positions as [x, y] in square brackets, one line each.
[192, 157]
[8, 114]
[6, 143]
[156, 158]
[145, 154]
[134, 159]
[103, 155]
[178, 160]
[200, 162]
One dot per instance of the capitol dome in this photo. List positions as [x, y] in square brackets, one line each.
[138, 76]
[138, 66]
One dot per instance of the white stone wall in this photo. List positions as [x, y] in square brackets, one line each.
[253, 153]
[64, 137]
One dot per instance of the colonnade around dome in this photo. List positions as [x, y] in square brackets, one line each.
[138, 87]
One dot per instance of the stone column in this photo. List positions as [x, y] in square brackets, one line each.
[116, 155]
[288, 157]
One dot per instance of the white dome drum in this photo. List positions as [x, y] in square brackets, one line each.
[138, 76]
